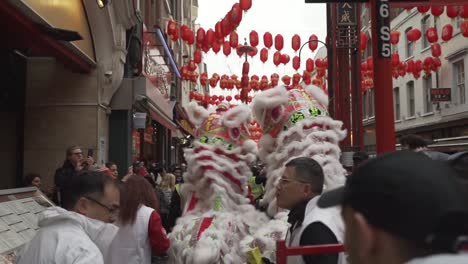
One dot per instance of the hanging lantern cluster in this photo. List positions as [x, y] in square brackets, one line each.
[367, 74]
[255, 130]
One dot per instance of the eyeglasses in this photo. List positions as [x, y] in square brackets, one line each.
[112, 211]
[283, 181]
[77, 153]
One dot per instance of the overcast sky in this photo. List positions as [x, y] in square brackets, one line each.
[286, 17]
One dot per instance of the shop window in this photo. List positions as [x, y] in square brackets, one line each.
[459, 71]
[427, 86]
[371, 102]
[425, 24]
[411, 102]
[409, 44]
[396, 102]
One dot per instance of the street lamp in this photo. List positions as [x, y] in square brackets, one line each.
[245, 49]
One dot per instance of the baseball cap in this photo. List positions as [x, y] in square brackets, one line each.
[408, 195]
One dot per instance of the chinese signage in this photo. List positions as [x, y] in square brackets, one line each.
[346, 14]
[383, 28]
[441, 95]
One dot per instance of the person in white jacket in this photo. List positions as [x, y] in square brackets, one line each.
[79, 234]
[402, 208]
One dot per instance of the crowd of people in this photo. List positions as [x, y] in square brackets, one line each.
[409, 206]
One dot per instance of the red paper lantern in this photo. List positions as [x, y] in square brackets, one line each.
[447, 32]
[413, 34]
[264, 55]
[209, 37]
[235, 15]
[216, 47]
[452, 11]
[172, 28]
[197, 57]
[203, 78]
[184, 32]
[234, 40]
[464, 12]
[431, 34]
[226, 26]
[267, 39]
[436, 50]
[437, 10]
[410, 66]
[192, 65]
[370, 63]
[245, 68]
[423, 9]
[279, 42]
[363, 66]
[395, 59]
[200, 36]
[286, 79]
[285, 59]
[313, 43]
[227, 48]
[253, 52]
[277, 58]
[394, 37]
[218, 30]
[245, 4]
[363, 40]
[253, 36]
[464, 28]
[296, 42]
[296, 78]
[213, 82]
[310, 65]
[296, 63]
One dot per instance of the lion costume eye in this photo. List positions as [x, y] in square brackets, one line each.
[276, 114]
[234, 133]
[204, 139]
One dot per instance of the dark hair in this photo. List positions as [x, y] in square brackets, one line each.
[28, 178]
[460, 164]
[360, 156]
[83, 184]
[110, 164]
[309, 171]
[413, 141]
[137, 191]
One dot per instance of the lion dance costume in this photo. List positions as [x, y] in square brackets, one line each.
[218, 220]
[295, 123]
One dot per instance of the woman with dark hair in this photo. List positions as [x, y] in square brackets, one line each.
[141, 231]
[32, 179]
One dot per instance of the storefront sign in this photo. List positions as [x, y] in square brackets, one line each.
[383, 29]
[441, 94]
[148, 135]
[136, 144]
[346, 14]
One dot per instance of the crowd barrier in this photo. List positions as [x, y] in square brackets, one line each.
[282, 251]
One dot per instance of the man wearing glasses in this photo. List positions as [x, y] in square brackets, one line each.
[80, 233]
[298, 191]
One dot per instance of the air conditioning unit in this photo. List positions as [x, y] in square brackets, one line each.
[139, 120]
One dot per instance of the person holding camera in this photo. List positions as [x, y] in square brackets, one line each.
[74, 163]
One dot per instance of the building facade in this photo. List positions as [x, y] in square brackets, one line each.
[445, 123]
[62, 63]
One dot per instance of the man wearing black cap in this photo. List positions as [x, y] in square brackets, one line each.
[400, 208]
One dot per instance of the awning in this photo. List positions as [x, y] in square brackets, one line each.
[158, 116]
[21, 22]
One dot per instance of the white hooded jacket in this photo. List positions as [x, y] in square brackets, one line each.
[461, 258]
[68, 237]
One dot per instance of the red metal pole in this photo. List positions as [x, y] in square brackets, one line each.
[384, 123]
[280, 252]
